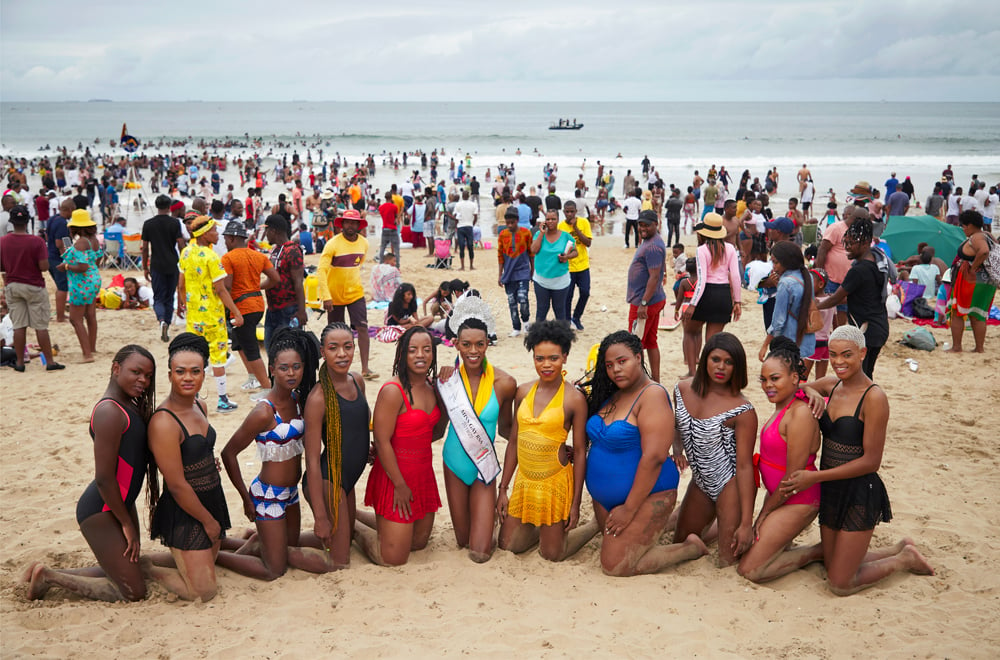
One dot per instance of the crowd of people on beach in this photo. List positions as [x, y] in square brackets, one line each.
[230, 264]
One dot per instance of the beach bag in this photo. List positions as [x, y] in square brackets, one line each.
[922, 309]
[919, 338]
[992, 263]
[892, 306]
[814, 322]
[389, 334]
[909, 293]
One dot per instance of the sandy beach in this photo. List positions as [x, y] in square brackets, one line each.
[940, 468]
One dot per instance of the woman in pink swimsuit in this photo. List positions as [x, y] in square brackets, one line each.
[789, 441]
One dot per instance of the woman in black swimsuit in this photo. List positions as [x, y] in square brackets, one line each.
[191, 516]
[106, 511]
[336, 417]
[853, 498]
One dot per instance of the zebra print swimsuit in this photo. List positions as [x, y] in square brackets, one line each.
[710, 446]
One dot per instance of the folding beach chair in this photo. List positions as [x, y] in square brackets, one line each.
[132, 259]
[442, 253]
[112, 253]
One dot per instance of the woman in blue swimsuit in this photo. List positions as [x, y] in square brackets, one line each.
[275, 425]
[471, 501]
[106, 511]
[630, 474]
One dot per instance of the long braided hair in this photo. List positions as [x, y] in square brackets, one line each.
[306, 345]
[399, 362]
[146, 404]
[600, 387]
[333, 438]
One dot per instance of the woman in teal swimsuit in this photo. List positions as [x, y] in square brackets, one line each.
[471, 501]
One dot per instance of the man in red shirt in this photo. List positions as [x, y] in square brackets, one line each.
[390, 228]
[23, 259]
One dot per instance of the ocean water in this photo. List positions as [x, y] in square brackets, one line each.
[841, 142]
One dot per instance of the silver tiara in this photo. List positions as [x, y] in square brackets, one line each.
[471, 307]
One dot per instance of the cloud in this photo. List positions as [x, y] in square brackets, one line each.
[560, 50]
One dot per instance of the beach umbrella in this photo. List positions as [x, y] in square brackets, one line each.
[904, 232]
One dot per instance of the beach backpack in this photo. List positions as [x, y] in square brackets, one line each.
[922, 309]
[887, 268]
[814, 322]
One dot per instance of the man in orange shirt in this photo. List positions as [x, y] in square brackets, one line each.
[244, 267]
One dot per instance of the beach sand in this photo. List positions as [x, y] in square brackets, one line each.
[940, 468]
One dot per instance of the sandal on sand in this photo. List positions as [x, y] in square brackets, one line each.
[54, 366]
[371, 375]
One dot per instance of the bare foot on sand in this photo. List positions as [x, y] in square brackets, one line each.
[916, 562]
[37, 586]
[695, 540]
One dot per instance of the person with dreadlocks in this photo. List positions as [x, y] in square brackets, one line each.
[337, 444]
[276, 426]
[853, 499]
[402, 487]
[862, 287]
[631, 474]
[192, 515]
[477, 404]
[789, 441]
[106, 511]
[202, 295]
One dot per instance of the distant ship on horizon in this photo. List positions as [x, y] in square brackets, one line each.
[99, 101]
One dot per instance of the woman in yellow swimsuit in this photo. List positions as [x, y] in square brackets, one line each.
[544, 506]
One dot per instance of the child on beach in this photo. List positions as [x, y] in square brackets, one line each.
[821, 356]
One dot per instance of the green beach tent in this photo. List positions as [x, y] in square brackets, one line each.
[904, 232]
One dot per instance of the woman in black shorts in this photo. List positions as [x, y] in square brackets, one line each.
[191, 516]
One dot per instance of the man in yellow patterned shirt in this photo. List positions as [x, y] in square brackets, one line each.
[202, 298]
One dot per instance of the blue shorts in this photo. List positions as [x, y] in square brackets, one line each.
[831, 287]
[270, 502]
[60, 279]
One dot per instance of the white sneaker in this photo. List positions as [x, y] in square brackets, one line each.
[250, 384]
[514, 333]
[257, 396]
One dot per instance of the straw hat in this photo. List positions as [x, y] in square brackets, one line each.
[861, 190]
[81, 218]
[711, 226]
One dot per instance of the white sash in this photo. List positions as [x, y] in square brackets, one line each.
[469, 428]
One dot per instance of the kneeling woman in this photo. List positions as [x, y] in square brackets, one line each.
[106, 511]
[276, 426]
[630, 474]
[192, 516]
[717, 427]
[852, 496]
[402, 487]
[789, 442]
[544, 507]
[478, 405]
[337, 445]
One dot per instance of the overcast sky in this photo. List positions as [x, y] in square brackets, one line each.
[545, 50]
